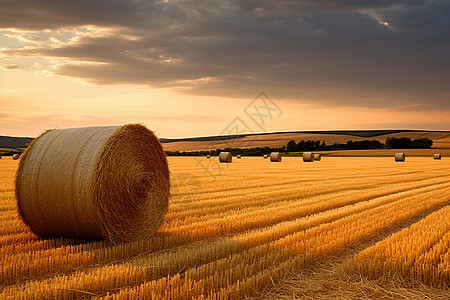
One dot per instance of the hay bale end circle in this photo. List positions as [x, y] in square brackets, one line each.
[225, 157]
[400, 156]
[308, 156]
[275, 157]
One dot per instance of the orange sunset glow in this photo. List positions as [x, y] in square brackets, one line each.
[185, 70]
[224, 149]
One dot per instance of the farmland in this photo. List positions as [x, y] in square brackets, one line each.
[441, 140]
[256, 229]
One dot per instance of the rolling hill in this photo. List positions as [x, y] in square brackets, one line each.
[273, 139]
[277, 139]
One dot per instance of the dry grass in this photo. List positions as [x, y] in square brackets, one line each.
[330, 280]
[233, 232]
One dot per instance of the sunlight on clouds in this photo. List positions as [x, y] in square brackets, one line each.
[190, 67]
[57, 102]
[52, 38]
[377, 17]
[24, 47]
[183, 83]
[8, 66]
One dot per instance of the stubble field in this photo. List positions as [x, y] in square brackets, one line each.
[348, 227]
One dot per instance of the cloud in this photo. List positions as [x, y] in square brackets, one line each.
[330, 52]
[8, 66]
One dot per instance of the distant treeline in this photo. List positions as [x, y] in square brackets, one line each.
[406, 143]
[391, 143]
[292, 146]
[11, 153]
[258, 151]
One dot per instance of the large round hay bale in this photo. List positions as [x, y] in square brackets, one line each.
[275, 156]
[317, 156]
[225, 157]
[16, 156]
[437, 156]
[265, 156]
[308, 156]
[94, 183]
[400, 156]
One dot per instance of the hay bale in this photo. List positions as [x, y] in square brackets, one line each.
[225, 157]
[317, 156]
[208, 156]
[308, 156]
[437, 156]
[265, 156]
[16, 156]
[238, 156]
[94, 183]
[400, 156]
[275, 157]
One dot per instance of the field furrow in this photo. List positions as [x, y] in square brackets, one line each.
[234, 230]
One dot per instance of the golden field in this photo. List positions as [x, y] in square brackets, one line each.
[344, 227]
[441, 141]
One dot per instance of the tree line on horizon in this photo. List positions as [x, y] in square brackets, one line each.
[391, 143]
[310, 145]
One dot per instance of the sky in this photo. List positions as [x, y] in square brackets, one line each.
[194, 68]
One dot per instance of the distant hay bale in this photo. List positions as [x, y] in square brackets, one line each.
[16, 156]
[275, 157]
[238, 156]
[400, 156]
[208, 156]
[225, 157]
[308, 156]
[265, 156]
[437, 156]
[94, 183]
[317, 156]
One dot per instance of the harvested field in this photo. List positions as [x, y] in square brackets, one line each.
[441, 139]
[254, 229]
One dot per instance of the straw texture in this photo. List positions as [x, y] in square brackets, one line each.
[94, 183]
[399, 156]
[16, 156]
[317, 156]
[308, 156]
[275, 157]
[225, 157]
[437, 156]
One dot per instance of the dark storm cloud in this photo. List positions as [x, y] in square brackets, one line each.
[337, 52]
[48, 14]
